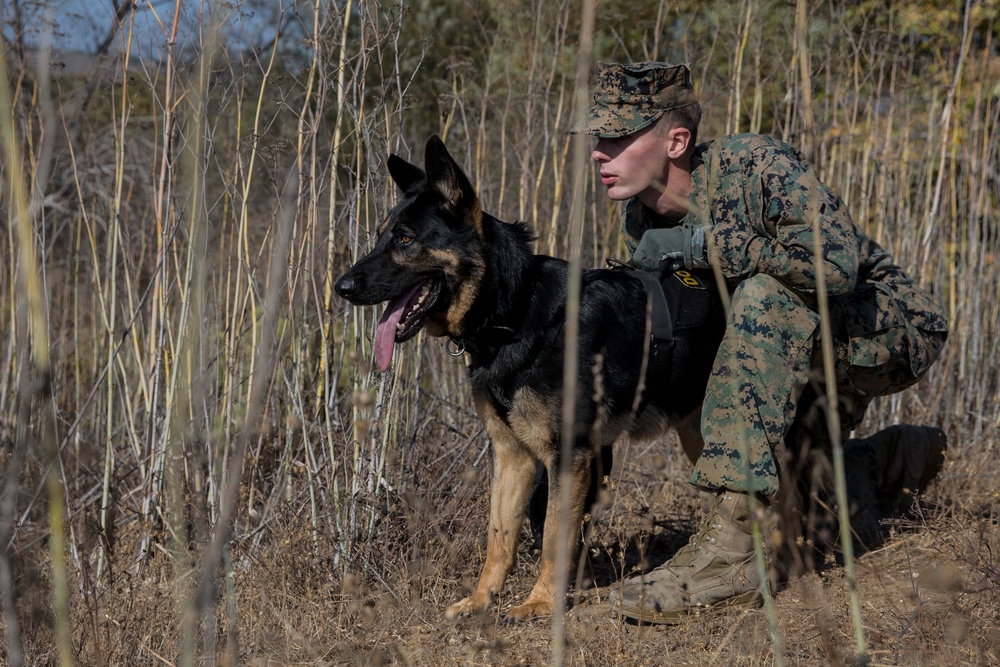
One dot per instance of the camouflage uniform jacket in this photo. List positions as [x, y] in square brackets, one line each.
[758, 198]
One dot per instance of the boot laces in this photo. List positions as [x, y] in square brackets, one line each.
[706, 533]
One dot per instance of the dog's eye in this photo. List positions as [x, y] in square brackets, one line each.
[405, 239]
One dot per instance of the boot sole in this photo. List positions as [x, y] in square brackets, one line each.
[748, 600]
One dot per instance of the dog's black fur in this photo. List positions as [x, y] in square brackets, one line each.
[447, 267]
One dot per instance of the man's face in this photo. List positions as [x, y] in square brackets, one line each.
[635, 164]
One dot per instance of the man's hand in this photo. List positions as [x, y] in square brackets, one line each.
[671, 248]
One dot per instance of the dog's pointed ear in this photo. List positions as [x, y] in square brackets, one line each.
[409, 177]
[444, 174]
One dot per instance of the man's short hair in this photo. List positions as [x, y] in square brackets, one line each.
[688, 117]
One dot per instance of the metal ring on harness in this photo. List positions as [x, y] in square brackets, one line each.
[455, 347]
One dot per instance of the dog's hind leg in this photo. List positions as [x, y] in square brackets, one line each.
[541, 600]
[510, 488]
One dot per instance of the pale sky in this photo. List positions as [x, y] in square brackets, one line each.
[79, 25]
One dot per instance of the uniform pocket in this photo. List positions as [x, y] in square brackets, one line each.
[878, 345]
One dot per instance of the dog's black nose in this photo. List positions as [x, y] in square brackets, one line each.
[347, 286]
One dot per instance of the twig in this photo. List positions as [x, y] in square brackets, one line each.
[567, 526]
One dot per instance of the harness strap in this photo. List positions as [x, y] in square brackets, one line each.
[663, 324]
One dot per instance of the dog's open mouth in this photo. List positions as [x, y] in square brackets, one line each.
[403, 318]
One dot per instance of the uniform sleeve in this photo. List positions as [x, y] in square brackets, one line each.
[764, 222]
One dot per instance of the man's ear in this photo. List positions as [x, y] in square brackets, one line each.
[678, 142]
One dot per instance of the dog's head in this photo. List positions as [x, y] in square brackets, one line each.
[428, 261]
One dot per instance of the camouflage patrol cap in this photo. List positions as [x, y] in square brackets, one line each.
[630, 97]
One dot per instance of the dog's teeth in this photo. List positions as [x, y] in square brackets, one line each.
[399, 327]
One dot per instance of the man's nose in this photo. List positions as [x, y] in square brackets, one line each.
[598, 155]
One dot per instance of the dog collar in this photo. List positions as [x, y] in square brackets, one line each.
[484, 341]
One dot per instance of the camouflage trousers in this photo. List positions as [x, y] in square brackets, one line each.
[771, 353]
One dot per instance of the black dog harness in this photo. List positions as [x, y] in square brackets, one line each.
[663, 323]
[687, 309]
[691, 300]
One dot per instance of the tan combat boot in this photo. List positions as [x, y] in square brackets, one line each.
[715, 570]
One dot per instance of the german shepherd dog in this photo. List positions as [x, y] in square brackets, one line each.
[448, 268]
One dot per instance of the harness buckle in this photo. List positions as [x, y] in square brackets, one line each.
[455, 347]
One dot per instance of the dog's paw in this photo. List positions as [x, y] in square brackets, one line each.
[531, 609]
[466, 607]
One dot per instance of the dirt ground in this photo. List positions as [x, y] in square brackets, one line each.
[929, 595]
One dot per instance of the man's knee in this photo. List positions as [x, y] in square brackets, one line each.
[927, 347]
[881, 351]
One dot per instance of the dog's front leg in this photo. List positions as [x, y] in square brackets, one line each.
[510, 489]
[541, 600]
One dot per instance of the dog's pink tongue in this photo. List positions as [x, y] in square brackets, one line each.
[385, 333]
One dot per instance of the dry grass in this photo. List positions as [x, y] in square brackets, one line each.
[238, 485]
